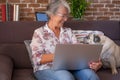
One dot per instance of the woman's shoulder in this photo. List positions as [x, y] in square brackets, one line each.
[67, 29]
[40, 29]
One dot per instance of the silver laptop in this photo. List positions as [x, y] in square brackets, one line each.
[75, 56]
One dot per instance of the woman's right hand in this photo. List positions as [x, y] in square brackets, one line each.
[46, 58]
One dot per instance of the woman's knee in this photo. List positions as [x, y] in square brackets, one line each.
[64, 75]
[54, 75]
[45, 75]
[85, 74]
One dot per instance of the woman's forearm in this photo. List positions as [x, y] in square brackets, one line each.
[46, 58]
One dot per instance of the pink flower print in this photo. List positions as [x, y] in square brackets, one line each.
[46, 35]
[65, 41]
[38, 55]
[35, 35]
[35, 48]
[47, 51]
[52, 43]
[43, 45]
[66, 36]
[40, 40]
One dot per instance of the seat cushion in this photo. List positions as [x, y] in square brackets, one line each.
[23, 74]
[6, 67]
[106, 74]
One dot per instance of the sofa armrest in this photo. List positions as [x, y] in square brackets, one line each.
[6, 67]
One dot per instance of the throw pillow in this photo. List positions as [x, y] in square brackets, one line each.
[27, 44]
[81, 35]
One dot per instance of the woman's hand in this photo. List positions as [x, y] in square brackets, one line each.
[95, 65]
[46, 58]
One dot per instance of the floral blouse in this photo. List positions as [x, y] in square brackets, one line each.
[44, 42]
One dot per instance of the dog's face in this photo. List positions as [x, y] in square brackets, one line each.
[92, 39]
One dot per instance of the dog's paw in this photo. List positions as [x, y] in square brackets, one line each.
[114, 72]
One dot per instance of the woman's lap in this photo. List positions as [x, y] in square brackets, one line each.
[53, 75]
[85, 74]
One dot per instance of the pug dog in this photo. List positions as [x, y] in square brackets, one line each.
[92, 38]
[110, 54]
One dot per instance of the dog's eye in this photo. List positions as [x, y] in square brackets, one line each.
[96, 38]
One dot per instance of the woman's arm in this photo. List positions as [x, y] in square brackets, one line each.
[46, 58]
[39, 55]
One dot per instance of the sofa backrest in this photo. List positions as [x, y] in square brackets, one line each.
[110, 28]
[13, 34]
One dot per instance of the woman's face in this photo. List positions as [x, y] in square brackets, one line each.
[60, 17]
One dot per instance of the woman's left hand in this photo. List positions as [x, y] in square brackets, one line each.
[95, 65]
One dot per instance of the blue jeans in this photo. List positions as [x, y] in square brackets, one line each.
[85, 74]
[48, 74]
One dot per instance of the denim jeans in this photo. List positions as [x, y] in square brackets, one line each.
[85, 74]
[49, 74]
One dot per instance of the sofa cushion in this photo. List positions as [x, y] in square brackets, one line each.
[6, 67]
[82, 34]
[27, 44]
[23, 74]
[106, 74]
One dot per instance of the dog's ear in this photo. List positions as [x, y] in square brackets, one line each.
[87, 37]
[85, 40]
[96, 38]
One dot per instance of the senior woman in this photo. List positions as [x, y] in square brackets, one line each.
[43, 45]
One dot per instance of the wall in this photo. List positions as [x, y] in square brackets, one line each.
[98, 9]
[103, 10]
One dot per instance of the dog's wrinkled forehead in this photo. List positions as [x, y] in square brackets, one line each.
[93, 38]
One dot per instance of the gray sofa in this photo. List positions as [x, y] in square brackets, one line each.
[14, 59]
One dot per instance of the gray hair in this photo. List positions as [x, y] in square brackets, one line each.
[53, 6]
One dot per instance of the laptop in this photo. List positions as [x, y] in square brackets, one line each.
[75, 56]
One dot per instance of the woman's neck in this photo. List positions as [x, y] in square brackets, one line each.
[54, 28]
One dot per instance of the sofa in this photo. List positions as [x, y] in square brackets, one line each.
[15, 63]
